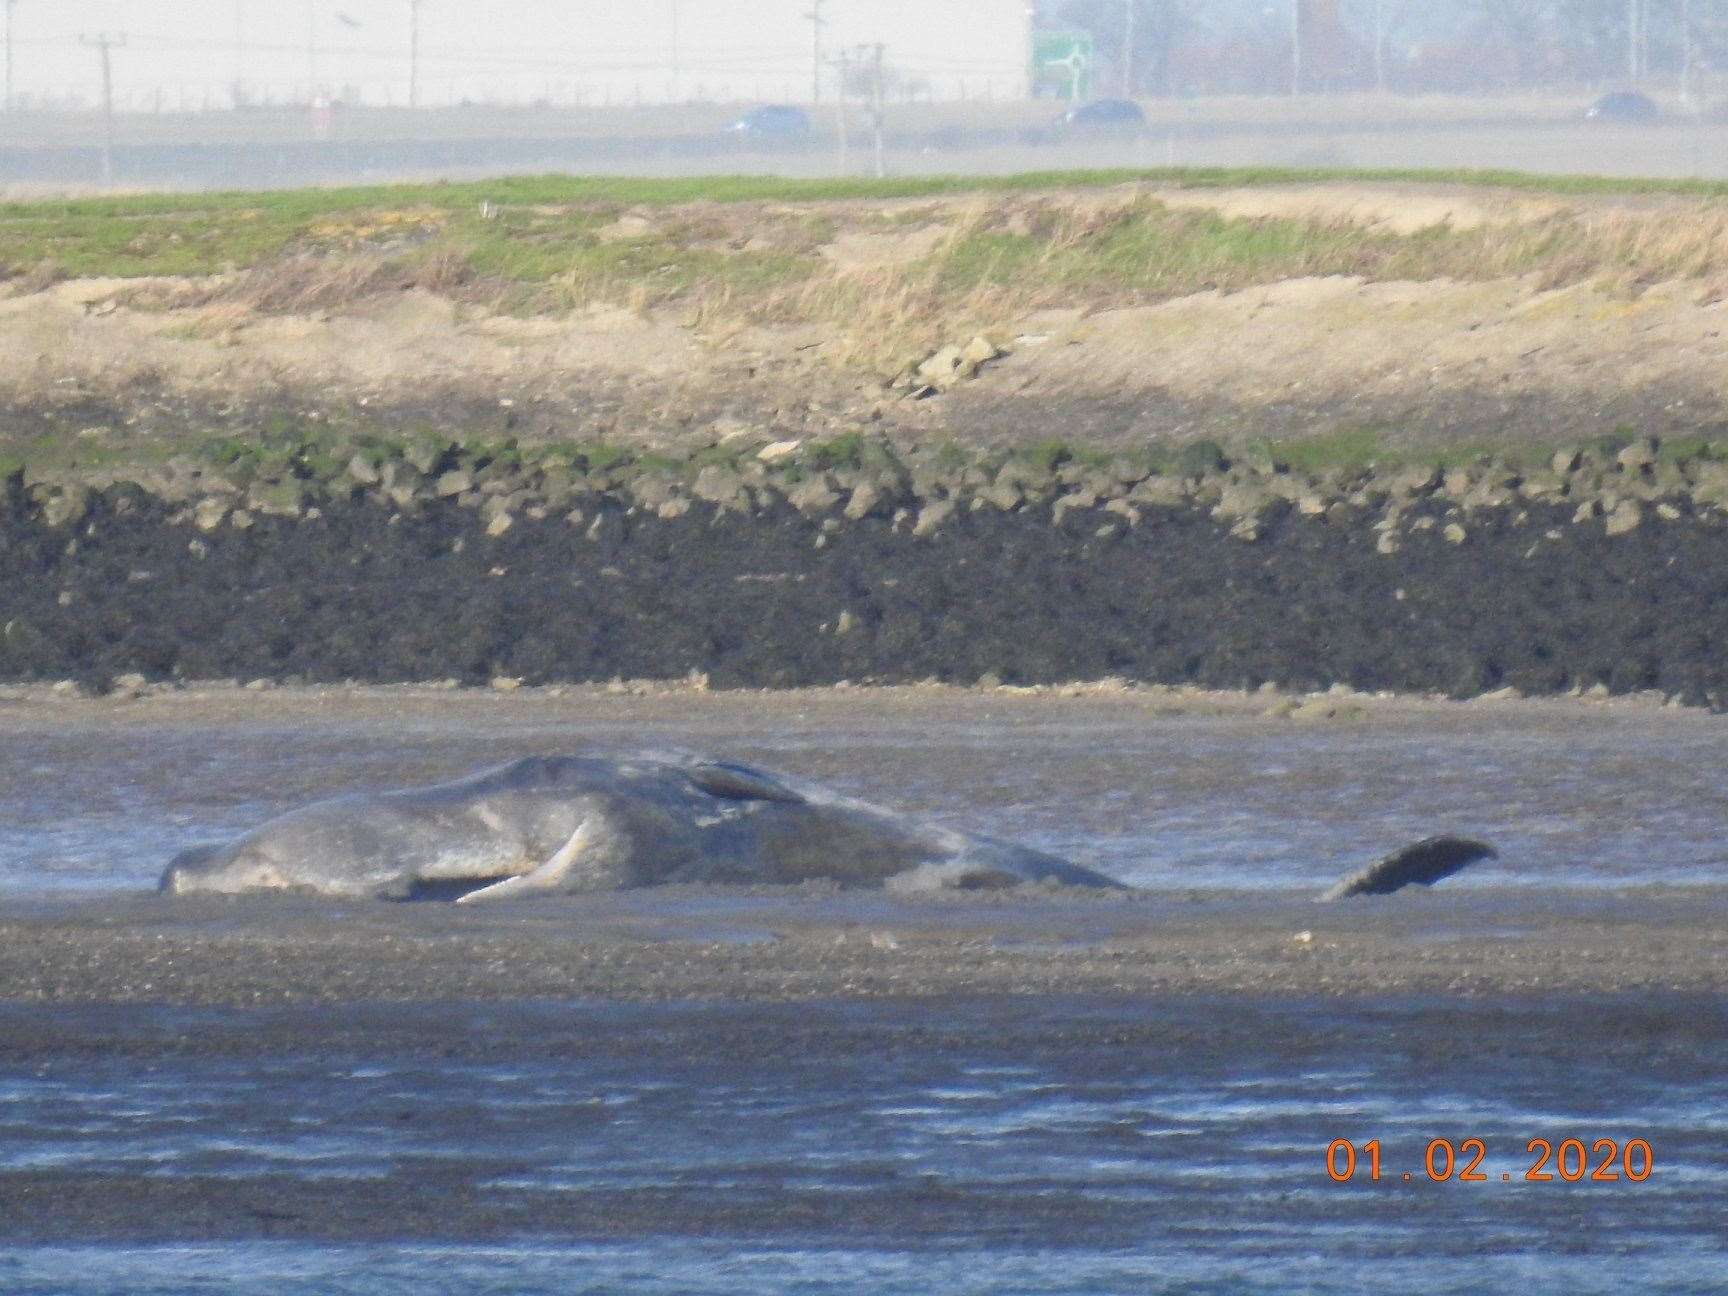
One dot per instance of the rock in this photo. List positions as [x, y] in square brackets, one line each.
[1241, 500]
[1388, 543]
[208, 514]
[778, 450]
[977, 353]
[1590, 508]
[362, 470]
[814, 497]
[501, 522]
[1668, 513]
[718, 485]
[1417, 481]
[1626, 517]
[277, 499]
[241, 520]
[866, 496]
[673, 508]
[1454, 533]
[1545, 486]
[846, 623]
[1079, 499]
[1486, 496]
[131, 685]
[651, 490]
[1246, 528]
[943, 368]
[396, 473]
[933, 516]
[67, 506]
[1640, 456]
[1566, 461]
[1457, 481]
[1160, 492]
[1003, 496]
[458, 481]
[1123, 509]
[506, 683]
[425, 456]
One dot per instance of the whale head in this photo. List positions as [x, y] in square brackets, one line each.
[240, 866]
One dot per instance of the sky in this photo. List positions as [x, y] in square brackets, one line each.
[190, 53]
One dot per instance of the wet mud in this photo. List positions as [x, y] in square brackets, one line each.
[1529, 598]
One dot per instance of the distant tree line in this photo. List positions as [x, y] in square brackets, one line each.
[1173, 47]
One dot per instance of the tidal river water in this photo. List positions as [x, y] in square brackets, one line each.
[1571, 798]
[968, 1145]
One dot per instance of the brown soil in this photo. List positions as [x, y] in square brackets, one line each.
[1435, 361]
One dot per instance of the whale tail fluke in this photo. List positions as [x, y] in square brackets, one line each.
[1422, 863]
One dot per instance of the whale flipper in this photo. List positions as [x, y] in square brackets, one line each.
[740, 783]
[549, 876]
[1422, 863]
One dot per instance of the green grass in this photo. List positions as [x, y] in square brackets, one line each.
[188, 234]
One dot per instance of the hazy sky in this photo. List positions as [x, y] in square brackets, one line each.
[190, 50]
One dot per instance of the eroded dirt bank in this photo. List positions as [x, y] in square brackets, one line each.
[1148, 312]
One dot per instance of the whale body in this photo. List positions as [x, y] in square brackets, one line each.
[570, 824]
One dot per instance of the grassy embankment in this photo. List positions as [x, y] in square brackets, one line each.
[728, 250]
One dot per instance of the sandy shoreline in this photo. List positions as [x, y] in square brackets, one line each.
[766, 944]
[230, 702]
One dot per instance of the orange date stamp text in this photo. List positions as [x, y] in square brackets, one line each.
[1604, 1160]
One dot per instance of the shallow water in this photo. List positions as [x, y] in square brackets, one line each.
[1176, 802]
[977, 1146]
[1023, 1145]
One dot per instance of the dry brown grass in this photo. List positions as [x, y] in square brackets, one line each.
[996, 259]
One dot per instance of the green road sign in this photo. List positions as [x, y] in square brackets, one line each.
[1062, 64]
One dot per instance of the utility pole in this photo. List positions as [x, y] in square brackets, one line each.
[311, 50]
[1634, 40]
[876, 105]
[1380, 46]
[103, 43]
[1128, 7]
[413, 53]
[844, 62]
[1686, 52]
[6, 101]
[816, 24]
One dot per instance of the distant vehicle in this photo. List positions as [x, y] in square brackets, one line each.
[1623, 106]
[1105, 112]
[772, 121]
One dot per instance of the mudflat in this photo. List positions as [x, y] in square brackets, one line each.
[766, 944]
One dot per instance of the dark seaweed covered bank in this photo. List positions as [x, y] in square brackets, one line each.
[804, 564]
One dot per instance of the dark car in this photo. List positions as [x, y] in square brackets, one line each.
[1623, 106]
[772, 121]
[1116, 113]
